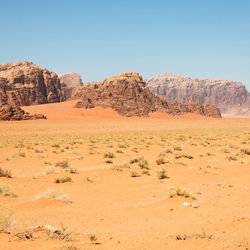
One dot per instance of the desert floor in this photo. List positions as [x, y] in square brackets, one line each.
[191, 189]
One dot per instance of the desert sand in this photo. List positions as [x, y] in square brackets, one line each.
[190, 190]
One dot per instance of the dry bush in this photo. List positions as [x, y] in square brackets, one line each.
[62, 179]
[245, 151]
[54, 194]
[134, 173]
[5, 218]
[6, 190]
[109, 155]
[5, 173]
[180, 192]
[160, 160]
[51, 170]
[162, 173]
[72, 170]
[62, 164]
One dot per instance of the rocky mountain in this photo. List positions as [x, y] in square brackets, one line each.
[128, 94]
[69, 81]
[24, 83]
[230, 97]
[12, 112]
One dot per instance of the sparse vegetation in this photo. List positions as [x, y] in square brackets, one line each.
[5, 173]
[5, 219]
[62, 164]
[54, 194]
[162, 173]
[62, 179]
[6, 190]
[180, 192]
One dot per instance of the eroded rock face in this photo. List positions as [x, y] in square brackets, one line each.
[69, 81]
[128, 95]
[24, 83]
[229, 96]
[15, 113]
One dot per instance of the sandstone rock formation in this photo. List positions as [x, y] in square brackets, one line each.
[11, 112]
[229, 96]
[24, 83]
[69, 81]
[128, 95]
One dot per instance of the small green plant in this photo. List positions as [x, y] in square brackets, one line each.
[5, 173]
[62, 179]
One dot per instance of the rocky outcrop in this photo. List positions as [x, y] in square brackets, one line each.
[128, 95]
[24, 83]
[229, 96]
[69, 81]
[11, 113]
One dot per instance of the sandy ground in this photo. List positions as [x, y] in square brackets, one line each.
[104, 207]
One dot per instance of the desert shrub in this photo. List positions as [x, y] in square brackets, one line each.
[183, 155]
[231, 157]
[5, 218]
[51, 170]
[245, 151]
[22, 154]
[109, 161]
[180, 192]
[72, 170]
[62, 164]
[160, 160]
[109, 155]
[5, 173]
[142, 163]
[54, 194]
[177, 148]
[162, 173]
[134, 173]
[62, 179]
[6, 190]
[93, 238]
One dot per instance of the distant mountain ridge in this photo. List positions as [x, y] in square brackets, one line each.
[128, 95]
[231, 97]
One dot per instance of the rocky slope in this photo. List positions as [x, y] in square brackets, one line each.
[24, 83]
[69, 81]
[128, 95]
[12, 112]
[230, 97]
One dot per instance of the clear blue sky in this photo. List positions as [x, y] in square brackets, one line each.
[101, 38]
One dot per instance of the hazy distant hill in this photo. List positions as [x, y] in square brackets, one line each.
[232, 98]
